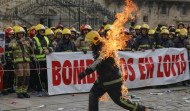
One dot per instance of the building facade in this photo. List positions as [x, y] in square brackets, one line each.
[70, 12]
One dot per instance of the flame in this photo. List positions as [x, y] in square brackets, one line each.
[115, 39]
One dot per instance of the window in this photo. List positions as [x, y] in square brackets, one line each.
[183, 11]
[163, 9]
[145, 18]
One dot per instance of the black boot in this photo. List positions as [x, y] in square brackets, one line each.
[20, 95]
[26, 95]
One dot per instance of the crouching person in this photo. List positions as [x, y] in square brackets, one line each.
[21, 49]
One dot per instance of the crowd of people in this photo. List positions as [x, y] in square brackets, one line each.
[26, 50]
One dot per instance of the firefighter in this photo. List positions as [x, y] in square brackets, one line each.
[183, 35]
[25, 28]
[109, 79]
[73, 34]
[138, 29]
[106, 29]
[126, 31]
[57, 36]
[21, 50]
[66, 45]
[179, 42]
[77, 34]
[166, 41]
[171, 36]
[151, 33]
[177, 31]
[8, 76]
[181, 25]
[59, 26]
[50, 34]
[81, 43]
[101, 32]
[143, 41]
[53, 29]
[42, 47]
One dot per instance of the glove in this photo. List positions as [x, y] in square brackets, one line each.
[132, 24]
[82, 75]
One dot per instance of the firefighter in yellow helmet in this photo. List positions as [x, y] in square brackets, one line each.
[143, 40]
[42, 47]
[50, 34]
[21, 48]
[138, 29]
[166, 41]
[73, 34]
[82, 43]
[177, 31]
[109, 79]
[57, 37]
[53, 29]
[66, 44]
[184, 32]
[106, 29]
[179, 42]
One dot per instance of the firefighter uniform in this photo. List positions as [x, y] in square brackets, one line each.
[66, 45]
[109, 80]
[21, 57]
[143, 41]
[8, 76]
[166, 42]
[81, 42]
[41, 43]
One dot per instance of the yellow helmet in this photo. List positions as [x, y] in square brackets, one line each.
[57, 31]
[183, 32]
[19, 30]
[94, 37]
[39, 27]
[52, 28]
[66, 31]
[107, 27]
[165, 31]
[151, 32]
[49, 32]
[177, 31]
[163, 27]
[14, 27]
[137, 27]
[145, 26]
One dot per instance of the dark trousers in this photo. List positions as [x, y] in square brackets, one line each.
[33, 74]
[8, 78]
[43, 77]
[116, 95]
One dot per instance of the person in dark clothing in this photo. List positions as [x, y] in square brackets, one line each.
[66, 45]
[166, 41]
[143, 42]
[183, 35]
[180, 41]
[8, 76]
[109, 79]
[42, 47]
